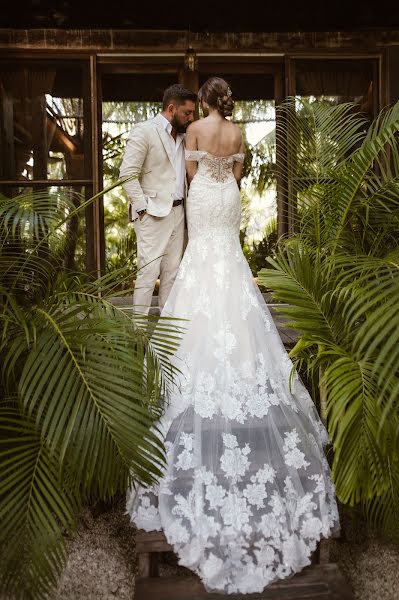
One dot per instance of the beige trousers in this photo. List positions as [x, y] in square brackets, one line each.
[159, 252]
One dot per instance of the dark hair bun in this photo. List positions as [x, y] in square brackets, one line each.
[216, 92]
[225, 106]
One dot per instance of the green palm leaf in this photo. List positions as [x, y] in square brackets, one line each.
[89, 383]
[93, 407]
[300, 279]
[37, 508]
[354, 418]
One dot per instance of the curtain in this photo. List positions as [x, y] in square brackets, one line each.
[23, 120]
[348, 80]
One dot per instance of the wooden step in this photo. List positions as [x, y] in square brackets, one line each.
[155, 541]
[318, 582]
[149, 545]
[151, 541]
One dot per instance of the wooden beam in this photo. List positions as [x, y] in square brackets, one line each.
[78, 41]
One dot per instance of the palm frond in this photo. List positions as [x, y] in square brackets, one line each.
[300, 280]
[377, 149]
[89, 383]
[37, 508]
[94, 406]
[360, 459]
[339, 276]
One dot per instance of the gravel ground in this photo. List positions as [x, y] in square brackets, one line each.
[102, 563]
[369, 562]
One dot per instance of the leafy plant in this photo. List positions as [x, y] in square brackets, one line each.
[257, 253]
[339, 274]
[82, 387]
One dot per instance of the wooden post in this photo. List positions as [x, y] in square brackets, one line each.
[7, 147]
[291, 193]
[190, 80]
[95, 245]
[143, 564]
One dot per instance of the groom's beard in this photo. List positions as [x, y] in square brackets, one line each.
[178, 125]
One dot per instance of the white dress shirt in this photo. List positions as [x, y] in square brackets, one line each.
[177, 148]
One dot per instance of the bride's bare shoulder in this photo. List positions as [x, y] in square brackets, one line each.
[195, 125]
[236, 131]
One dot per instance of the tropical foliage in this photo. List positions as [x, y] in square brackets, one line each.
[257, 253]
[82, 386]
[339, 275]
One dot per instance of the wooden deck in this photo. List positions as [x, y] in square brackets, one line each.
[315, 583]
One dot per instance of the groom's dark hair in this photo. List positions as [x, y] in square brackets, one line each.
[177, 94]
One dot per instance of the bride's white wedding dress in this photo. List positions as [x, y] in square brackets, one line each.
[247, 491]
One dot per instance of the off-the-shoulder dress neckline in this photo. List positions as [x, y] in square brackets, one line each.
[213, 155]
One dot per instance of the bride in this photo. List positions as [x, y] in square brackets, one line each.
[247, 492]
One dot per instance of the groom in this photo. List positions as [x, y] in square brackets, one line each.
[155, 156]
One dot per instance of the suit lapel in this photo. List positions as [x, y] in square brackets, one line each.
[163, 136]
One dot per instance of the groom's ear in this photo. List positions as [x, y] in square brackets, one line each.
[171, 108]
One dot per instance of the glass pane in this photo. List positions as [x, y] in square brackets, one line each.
[44, 216]
[42, 132]
[118, 120]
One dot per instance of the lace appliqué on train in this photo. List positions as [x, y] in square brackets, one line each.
[267, 527]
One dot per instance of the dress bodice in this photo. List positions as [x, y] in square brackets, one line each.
[213, 204]
[218, 169]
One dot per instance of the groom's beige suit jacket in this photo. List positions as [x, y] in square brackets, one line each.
[148, 157]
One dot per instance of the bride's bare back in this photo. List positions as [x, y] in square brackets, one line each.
[217, 136]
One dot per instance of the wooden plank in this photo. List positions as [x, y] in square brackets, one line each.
[151, 541]
[143, 564]
[155, 541]
[79, 42]
[313, 583]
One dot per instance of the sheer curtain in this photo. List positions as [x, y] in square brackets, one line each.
[349, 80]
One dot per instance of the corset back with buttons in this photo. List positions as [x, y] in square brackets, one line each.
[214, 203]
[218, 169]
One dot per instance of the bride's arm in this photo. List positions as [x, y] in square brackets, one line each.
[238, 165]
[191, 144]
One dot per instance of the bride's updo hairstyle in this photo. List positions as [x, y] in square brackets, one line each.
[217, 94]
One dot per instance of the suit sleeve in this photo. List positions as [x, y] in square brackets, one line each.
[132, 164]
